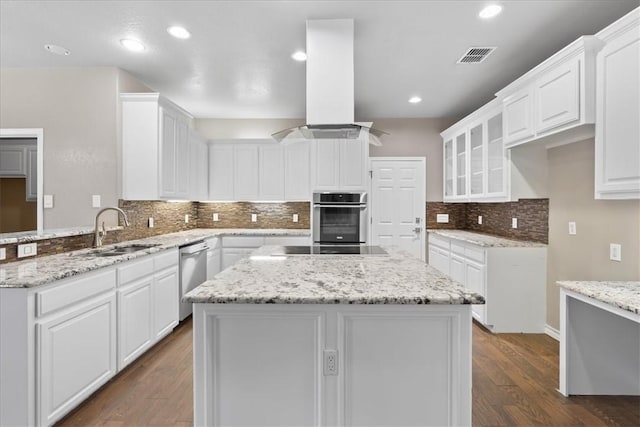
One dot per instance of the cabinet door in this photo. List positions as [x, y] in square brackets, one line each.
[496, 170]
[245, 172]
[32, 174]
[135, 320]
[166, 299]
[439, 259]
[297, 171]
[617, 157]
[449, 171]
[182, 160]
[214, 263]
[458, 269]
[517, 115]
[353, 165]
[221, 172]
[558, 96]
[271, 169]
[326, 164]
[474, 273]
[12, 160]
[198, 167]
[476, 160]
[75, 355]
[168, 143]
[461, 165]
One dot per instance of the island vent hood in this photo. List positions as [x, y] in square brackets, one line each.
[330, 86]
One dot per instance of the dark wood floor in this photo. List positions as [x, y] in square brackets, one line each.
[515, 377]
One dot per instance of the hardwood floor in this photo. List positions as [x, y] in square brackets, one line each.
[515, 377]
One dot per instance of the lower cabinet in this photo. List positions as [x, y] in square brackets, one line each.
[214, 255]
[135, 316]
[512, 280]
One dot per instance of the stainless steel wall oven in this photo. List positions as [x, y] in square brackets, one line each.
[339, 218]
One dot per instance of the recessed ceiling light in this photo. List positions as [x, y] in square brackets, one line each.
[299, 56]
[58, 50]
[179, 32]
[132, 45]
[490, 11]
[415, 99]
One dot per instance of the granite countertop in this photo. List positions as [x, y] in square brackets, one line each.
[396, 278]
[624, 295]
[40, 271]
[485, 240]
[32, 236]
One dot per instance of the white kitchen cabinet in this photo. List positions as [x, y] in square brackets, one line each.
[271, 168]
[297, 165]
[339, 164]
[198, 167]
[214, 255]
[235, 248]
[232, 255]
[246, 175]
[155, 148]
[221, 167]
[557, 97]
[166, 297]
[617, 147]
[135, 320]
[512, 280]
[448, 170]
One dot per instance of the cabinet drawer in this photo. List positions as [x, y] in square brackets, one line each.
[474, 253]
[73, 291]
[165, 260]
[242, 241]
[134, 270]
[457, 247]
[441, 242]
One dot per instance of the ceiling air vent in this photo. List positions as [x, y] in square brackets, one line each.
[475, 55]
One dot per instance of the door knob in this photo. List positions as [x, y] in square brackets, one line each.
[417, 230]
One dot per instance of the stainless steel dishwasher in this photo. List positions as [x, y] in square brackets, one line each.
[193, 272]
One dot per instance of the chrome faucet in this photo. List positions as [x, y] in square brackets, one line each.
[99, 234]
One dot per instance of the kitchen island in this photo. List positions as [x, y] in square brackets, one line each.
[332, 340]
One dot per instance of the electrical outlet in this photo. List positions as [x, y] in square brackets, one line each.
[572, 228]
[514, 222]
[3, 254]
[28, 249]
[330, 362]
[47, 201]
[295, 217]
[186, 218]
[254, 217]
[442, 218]
[615, 252]
[216, 217]
[95, 201]
[150, 222]
[480, 219]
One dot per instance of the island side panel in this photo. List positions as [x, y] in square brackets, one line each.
[409, 364]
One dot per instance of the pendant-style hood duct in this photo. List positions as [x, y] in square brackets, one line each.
[330, 86]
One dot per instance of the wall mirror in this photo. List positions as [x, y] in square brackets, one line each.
[21, 182]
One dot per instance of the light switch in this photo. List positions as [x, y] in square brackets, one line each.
[442, 218]
[216, 217]
[480, 219]
[572, 228]
[47, 201]
[295, 217]
[95, 201]
[514, 222]
[254, 217]
[615, 252]
[28, 249]
[150, 222]
[3, 254]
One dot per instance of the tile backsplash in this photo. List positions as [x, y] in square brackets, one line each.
[268, 215]
[532, 215]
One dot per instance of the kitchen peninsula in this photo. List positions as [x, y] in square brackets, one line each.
[332, 340]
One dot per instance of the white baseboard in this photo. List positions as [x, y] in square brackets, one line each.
[552, 332]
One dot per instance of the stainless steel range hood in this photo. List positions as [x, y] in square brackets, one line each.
[330, 86]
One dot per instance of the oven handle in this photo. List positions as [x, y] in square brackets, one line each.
[358, 206]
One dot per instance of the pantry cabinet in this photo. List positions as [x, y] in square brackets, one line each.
[339, 164]
[155, 148]
[617, 147]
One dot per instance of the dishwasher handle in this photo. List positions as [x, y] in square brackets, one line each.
[193, 249]
[193, 253]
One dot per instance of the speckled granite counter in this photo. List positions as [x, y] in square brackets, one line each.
[624, 295]
[40, 271]
[31, 236]
[485, 240]
[396, 278]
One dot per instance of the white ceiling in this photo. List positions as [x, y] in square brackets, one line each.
[237, 63]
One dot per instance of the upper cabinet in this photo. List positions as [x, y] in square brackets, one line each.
[617, 156]
[339, 164]
[155, 148]
[259, 170]
[198, 167]
[556, 96]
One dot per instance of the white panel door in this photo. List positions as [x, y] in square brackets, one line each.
[353, 164]
[168, 146]
[166, 299]
[75, 355]
[325, 164]
[518, 116]
[245, 172]
[271, 181]
[221, 172]
[135, 321]
[297, 171]
[398, 203]
[558, 96]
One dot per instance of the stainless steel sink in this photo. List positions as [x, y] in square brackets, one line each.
[119, 250]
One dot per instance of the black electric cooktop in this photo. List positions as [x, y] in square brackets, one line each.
[331, 250]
